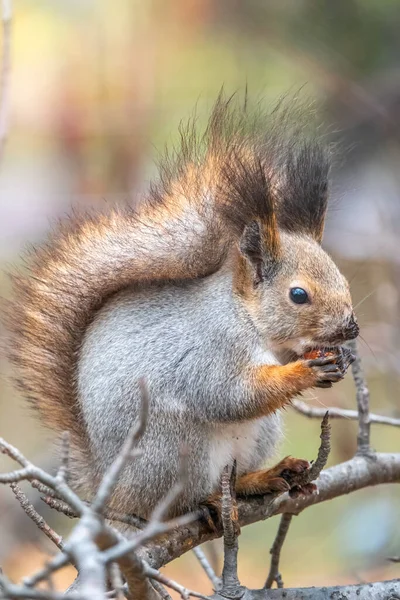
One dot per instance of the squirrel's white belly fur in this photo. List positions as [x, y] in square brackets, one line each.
[240, 441]
[233, 442]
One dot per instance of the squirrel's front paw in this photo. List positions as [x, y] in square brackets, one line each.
[346, 358]
[326, 369]
[330, 365]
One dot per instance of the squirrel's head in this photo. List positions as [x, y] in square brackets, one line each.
[299, 299]
[292, 289]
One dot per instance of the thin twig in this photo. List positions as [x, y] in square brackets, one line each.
[10, 590]
[231, 587]
[111, 477]
[156, 526]
[62, 474]
[303, 479]
[36, 518]
[138, 583]
[44, 489]
[364, 424]
[58, 562]
[108, 513]
[323, 450]
[153, 530]
[203, 560]
[5, 75]
[137, 572]
[274, 574]
[60, 506]
[173, 585]
[314, 412]
[160, 589]
[163, 507]
[31, 472]
[116, 581]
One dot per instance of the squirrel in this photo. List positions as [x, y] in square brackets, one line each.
[211, 290]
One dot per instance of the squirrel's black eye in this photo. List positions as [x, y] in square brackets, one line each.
[298, 295]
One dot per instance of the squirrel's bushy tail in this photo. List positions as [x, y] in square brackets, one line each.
[86, 261]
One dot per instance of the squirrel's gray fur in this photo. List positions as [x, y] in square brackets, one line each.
[190, 341]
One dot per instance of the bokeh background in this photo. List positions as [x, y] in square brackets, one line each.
[98, 88]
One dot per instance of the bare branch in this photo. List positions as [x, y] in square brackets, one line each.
[161, 510]
[156, 526]
[314, 412]
[14, 476]
[108, 513]
[364, 424]
[36, 518]
[86, 555]
[231, 587]
[275, 551]
[31, 472]
[382, 590]
[5, 74]
[153, 530]
[358, 473]
[161, 590]
[44, 489]
[56, 563]
[60, 506]
[137, 572]
[173, 585]
[323, 450]
[137, 578]
[111, 477]
[202, 558]
[116, 581]
[10, 590]
[62, 474]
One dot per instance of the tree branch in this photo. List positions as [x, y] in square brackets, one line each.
[314, 412]
[364, 424]
[108, 513]
[231, 587]
[358, 473]
[202, 558]
[382, 590]
[110, 479]
[275, 551]
[36, 518]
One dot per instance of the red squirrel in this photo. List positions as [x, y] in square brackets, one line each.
[212, 290]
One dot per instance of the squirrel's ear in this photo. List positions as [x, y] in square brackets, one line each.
[260, 245]
[301, 190]
[247, 207]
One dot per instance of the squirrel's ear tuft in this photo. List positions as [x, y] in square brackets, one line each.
[260, 250]
[248, 206]
[301, 189]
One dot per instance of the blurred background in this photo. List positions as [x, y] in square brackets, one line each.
[97, 89]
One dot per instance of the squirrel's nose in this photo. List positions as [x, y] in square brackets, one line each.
[351, 330]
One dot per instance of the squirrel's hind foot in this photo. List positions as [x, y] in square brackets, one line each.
[283, 477]
[286, 476]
